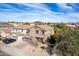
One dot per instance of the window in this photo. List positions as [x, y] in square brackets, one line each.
[22, 30]
[40, 39]
[43, 32]
[37, 31]
[13, 29]
[28, 31]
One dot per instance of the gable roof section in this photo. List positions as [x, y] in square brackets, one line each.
[23, 27]
[43, 27]
[5, 25]
[5, 30]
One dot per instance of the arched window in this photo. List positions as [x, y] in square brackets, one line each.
[28, 31]
[22, 30]
[37, 31]
[43, 32]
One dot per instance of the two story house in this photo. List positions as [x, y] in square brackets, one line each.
[34, 33]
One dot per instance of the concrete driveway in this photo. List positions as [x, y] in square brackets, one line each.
[21, 48]
[2, 53]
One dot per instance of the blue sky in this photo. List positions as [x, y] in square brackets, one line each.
[46, 12]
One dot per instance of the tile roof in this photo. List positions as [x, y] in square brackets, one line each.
[2, 25]
[23, 26]
[6, 30]
[44, 27]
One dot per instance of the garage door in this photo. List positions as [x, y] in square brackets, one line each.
[27, 40]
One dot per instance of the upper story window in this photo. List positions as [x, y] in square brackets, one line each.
[13, 29]
[43, 32]
[28, 31]
[37, 31]
[22, 30]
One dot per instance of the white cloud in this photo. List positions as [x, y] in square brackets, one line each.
[39, 8]
[64, 6]
[73, 14]
[40, 13]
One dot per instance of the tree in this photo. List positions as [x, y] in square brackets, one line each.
[69, 42]
[26, 23]
[58, 29]
[50, 43]
[38, 22]
[66, 41]
[51, 39]
[61, 25]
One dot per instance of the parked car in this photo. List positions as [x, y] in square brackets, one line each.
[0, 38]
[8, 40]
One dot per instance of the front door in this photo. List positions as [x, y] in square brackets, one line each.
[39, 39]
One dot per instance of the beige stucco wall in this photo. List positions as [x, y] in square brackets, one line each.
[33, 32]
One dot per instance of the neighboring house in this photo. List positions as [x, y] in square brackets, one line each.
[5, 29]
[38, 33]
[71, 26]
